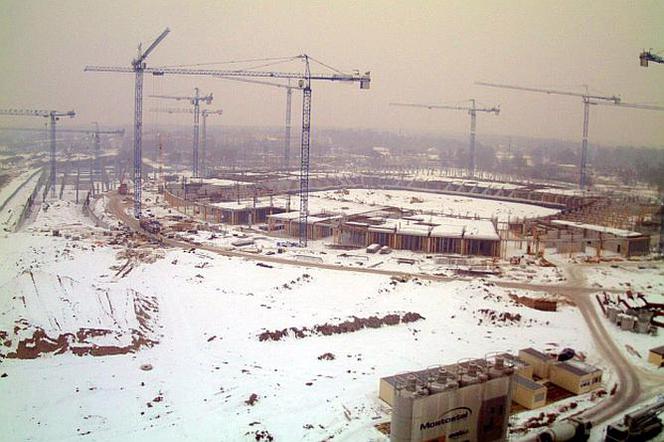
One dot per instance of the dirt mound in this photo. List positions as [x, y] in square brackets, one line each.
[350, 326]
[79, 344]
[52, 314]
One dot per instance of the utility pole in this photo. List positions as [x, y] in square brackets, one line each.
[472, 111]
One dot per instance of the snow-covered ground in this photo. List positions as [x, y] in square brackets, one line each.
[645, 277]
[194, 383]
[435, 202]
[634, 346]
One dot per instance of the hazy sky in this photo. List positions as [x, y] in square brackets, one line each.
[417, 51]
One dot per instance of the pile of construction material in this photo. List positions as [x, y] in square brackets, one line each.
[631, 312]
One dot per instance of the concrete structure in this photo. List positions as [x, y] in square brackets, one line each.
[528, 393]
[656, 356]
[576, 376]
[227, 212]
[625, 242]
[468, 401]
[422, 233]
[568, 231]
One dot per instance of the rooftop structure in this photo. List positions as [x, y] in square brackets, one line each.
[470, 399]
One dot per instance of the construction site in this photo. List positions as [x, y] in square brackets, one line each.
[174, 277]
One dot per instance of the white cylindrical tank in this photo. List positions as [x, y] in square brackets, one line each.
[612, 313]
[402, 415]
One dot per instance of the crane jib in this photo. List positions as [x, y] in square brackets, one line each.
[364, 80]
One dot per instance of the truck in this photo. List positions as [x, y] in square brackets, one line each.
[640, 425]
[150, 225]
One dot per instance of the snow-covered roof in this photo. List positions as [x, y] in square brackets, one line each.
[596, 228]
[219, 182]
[566, 192]
[286, 215]
[414, 230]
[447, 230]
[439, 226]
[578, 368]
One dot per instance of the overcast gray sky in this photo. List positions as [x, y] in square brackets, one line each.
[417, 51]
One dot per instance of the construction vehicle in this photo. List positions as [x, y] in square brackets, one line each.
[123, 189]
[640, 425]
[150, 225]
[571, 429]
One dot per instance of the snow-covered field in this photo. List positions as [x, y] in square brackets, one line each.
[645, 277]
[196, 381]
[437, 203]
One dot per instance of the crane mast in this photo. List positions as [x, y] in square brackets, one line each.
[587, 98]
[138, 67]
[204, 113]
[472, 111]
[289, 99]
[363, 79]
[53, 117]
[304, 155]
[287, 129]
[195, 100]
[96, 132]
[644, 58]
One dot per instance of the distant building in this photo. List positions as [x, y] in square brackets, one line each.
[656, 356]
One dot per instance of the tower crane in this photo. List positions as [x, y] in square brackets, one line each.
[305, 78]
[289, 96]
[587, 101]
[472, 111]
[96, 132]
[53, 117]
[195, 100]
[138, 67]
[204, 113]
[646, 56]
